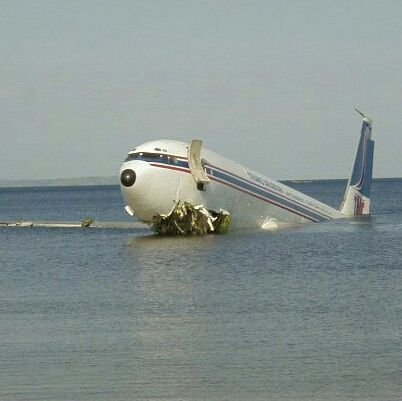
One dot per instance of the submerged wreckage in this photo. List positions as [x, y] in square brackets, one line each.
[185, 218]
[181, 188]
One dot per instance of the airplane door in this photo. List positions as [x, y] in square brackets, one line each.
[195, 164]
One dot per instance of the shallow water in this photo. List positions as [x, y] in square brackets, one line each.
[308, 313]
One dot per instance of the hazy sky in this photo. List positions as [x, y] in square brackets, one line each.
[271, 84]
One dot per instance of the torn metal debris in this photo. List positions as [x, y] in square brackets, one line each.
[86, 222]
[186, 219]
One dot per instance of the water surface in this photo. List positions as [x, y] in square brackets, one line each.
[308, 313]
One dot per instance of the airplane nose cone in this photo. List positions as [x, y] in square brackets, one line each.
[127, 177]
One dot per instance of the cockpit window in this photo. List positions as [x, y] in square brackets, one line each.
[152, 157]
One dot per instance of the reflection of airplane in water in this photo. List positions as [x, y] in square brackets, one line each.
[157, 175]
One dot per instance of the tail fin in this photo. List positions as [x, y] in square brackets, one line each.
[356, 200]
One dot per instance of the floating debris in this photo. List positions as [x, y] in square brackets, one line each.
[86, 222]
[75, 224]
[186, 219]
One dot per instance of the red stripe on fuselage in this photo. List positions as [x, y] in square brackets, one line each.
[239, 189]
[263, 199]
[184, 170]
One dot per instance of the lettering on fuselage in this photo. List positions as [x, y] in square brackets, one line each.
[310, 203]
[264, 182]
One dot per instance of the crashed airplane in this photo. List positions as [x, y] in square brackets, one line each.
[159, 177]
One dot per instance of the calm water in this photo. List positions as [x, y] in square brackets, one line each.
[311, 313]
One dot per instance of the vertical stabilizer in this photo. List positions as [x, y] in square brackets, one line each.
[356, 201]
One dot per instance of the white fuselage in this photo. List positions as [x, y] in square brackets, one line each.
[163, 177]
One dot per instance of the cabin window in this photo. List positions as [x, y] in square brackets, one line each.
[152, 157]
[173, 160]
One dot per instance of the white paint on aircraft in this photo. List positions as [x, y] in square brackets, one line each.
[157, 175]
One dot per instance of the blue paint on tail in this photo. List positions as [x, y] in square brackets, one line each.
[357, 195]
[363, 167]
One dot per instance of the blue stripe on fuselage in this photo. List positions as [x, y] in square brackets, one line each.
[249, 187]
[269, 195]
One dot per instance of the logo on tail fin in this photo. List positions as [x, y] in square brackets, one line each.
[359, 205]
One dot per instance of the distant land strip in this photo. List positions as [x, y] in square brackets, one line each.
[114, 180]
[60, 182]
